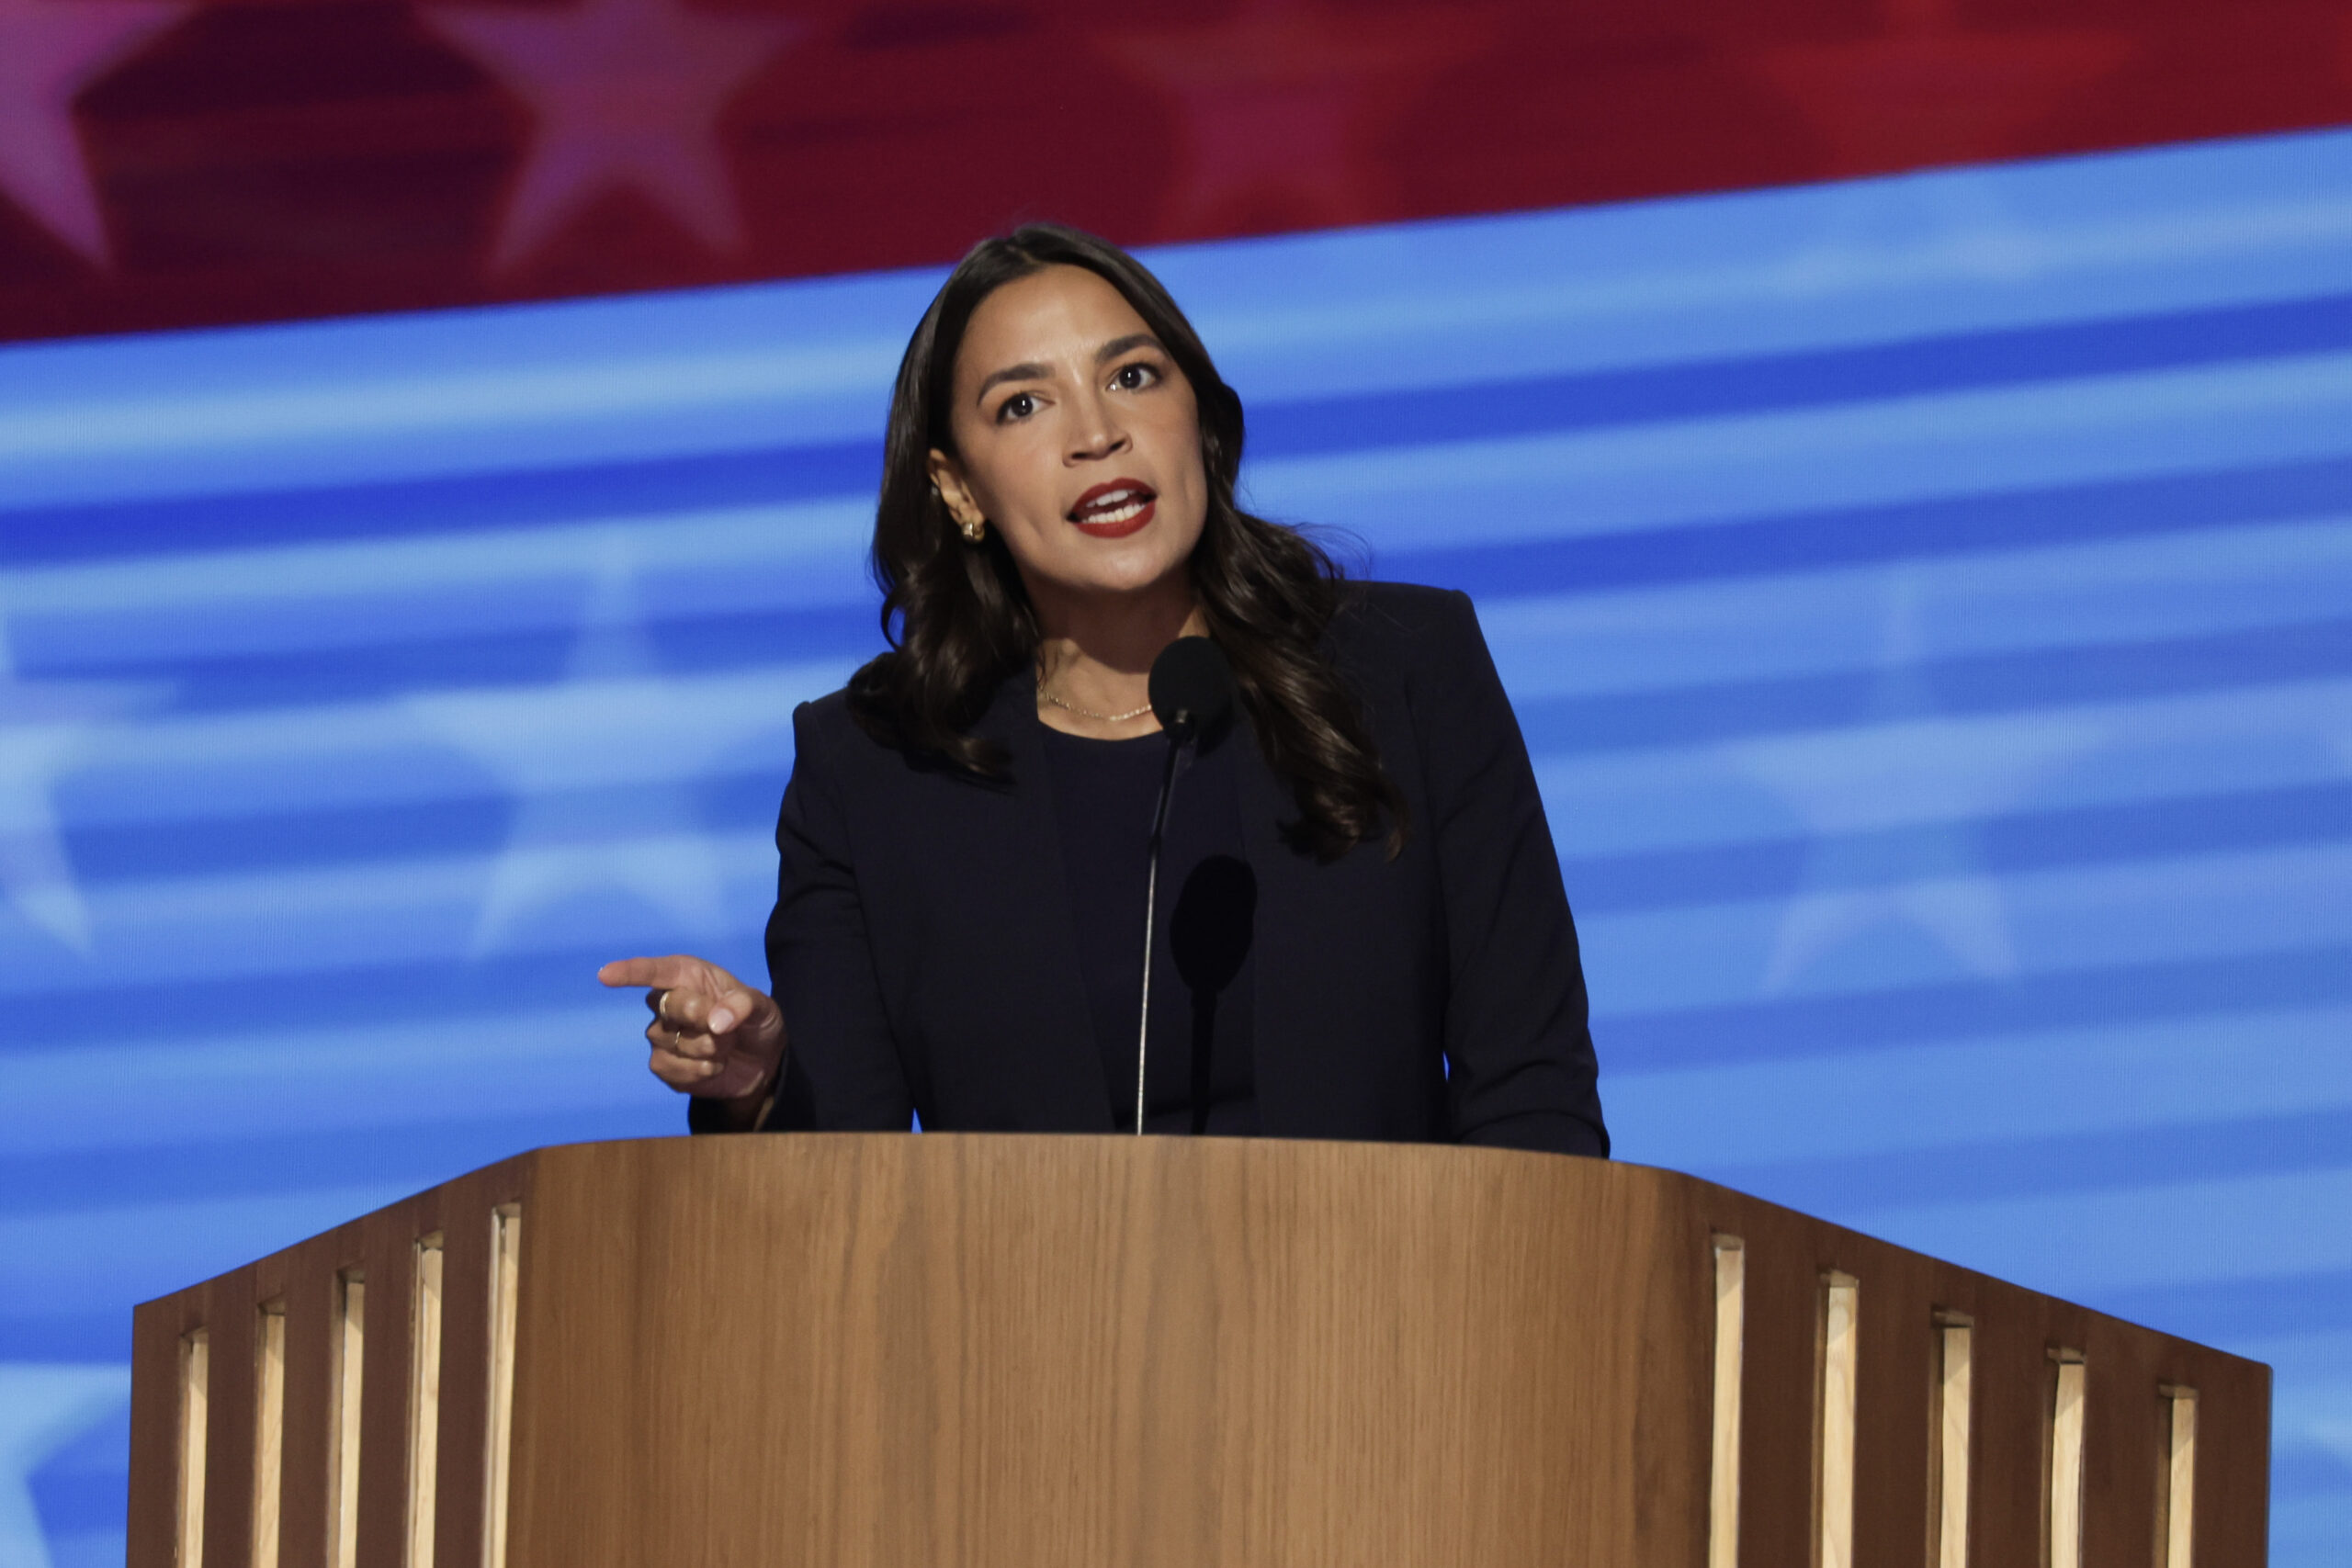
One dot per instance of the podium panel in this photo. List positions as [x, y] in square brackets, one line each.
[1030, 1352]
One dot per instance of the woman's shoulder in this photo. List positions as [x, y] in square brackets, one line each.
[825, 729]
[839, 735]
[829, 714]
[1404, 621]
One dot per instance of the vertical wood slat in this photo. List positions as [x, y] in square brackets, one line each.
[2122, 1494]
[468, 1335]
[1840, 1363]
[388, 1250]
[1894, 1410]
[269, 1431]
[196, 1409]
[278, 1369]
[2178, 1526]
[424, 1397]
[304, 1278]
[2066, 1426]
[151, 1521]
[350, 1330]
[505, 1279]
[1955, 1371]
[232, 1323]
[2232, 1480]
[1780, 1399]
[1722, 1487]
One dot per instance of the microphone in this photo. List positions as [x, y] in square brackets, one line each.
[1192, 688]
[1191, 696]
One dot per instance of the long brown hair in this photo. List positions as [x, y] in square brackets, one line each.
[959, 621]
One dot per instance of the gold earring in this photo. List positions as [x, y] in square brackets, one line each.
[970, 527]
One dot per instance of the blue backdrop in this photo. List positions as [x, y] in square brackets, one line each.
[1928, 601]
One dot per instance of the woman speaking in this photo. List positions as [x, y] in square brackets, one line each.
[1355, 914]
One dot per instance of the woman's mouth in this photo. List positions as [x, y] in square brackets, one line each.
[1114, 510]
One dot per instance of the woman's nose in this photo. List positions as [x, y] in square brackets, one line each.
[1097, 432]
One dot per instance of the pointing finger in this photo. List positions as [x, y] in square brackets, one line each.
[677, 969]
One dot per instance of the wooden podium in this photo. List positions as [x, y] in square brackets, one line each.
[1029, 1352]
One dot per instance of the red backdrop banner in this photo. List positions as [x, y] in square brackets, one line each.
[172, 163]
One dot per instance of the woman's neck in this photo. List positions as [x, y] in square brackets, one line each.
[1095, 651]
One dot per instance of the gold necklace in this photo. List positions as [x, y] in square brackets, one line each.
[1090, 713]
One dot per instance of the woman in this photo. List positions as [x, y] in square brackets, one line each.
[1362, 932]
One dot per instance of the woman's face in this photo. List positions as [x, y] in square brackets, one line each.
[1077, 438]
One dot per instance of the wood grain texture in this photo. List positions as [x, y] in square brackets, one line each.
[464, 1376]
[269, 1434]
[1060, 1351]
[2066, 1423]
[149, 1524]
[426, 1260]
[349, 1399]
[1948, 1517]
[195, 1395]
[2179, 1527]
[305, 1279]
[387, 1258]
[230, 1317]
[1000, 1350]
[1834, 1469]
[498, 1398]
[1723, 1468]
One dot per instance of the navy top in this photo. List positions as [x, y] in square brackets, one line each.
[927, 955]
[1203, 1077]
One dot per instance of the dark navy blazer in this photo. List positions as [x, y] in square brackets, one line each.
[923, 952]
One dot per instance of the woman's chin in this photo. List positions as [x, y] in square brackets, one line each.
[1123, 578]
[1123, 567]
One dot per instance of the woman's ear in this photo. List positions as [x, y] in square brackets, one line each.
[947, 478]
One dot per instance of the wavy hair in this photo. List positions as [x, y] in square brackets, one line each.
[959, 621]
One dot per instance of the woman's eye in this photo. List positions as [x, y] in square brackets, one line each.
[1021, 405]
[1134, 378]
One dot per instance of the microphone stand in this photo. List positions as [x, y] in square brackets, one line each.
[1179, 734]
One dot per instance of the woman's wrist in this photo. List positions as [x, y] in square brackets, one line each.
[744, 1113]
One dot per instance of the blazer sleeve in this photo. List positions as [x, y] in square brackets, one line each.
[842, 1070]
[1520, 1066]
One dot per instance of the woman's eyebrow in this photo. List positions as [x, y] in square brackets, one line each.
[1024, 372]
[1119, 345]
[1032, 371]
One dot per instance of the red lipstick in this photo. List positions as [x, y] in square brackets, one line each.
[1115, 508]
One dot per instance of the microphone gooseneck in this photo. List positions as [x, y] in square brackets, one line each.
[1192, 695]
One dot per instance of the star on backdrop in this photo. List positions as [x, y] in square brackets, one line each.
[1275, 104]
[601, 765]
[627, 96]
[44, 728]
[49, 52]
[1890, 808]
[1927, 91]
[43, 1408]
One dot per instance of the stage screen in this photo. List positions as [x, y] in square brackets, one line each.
[1927, 601]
